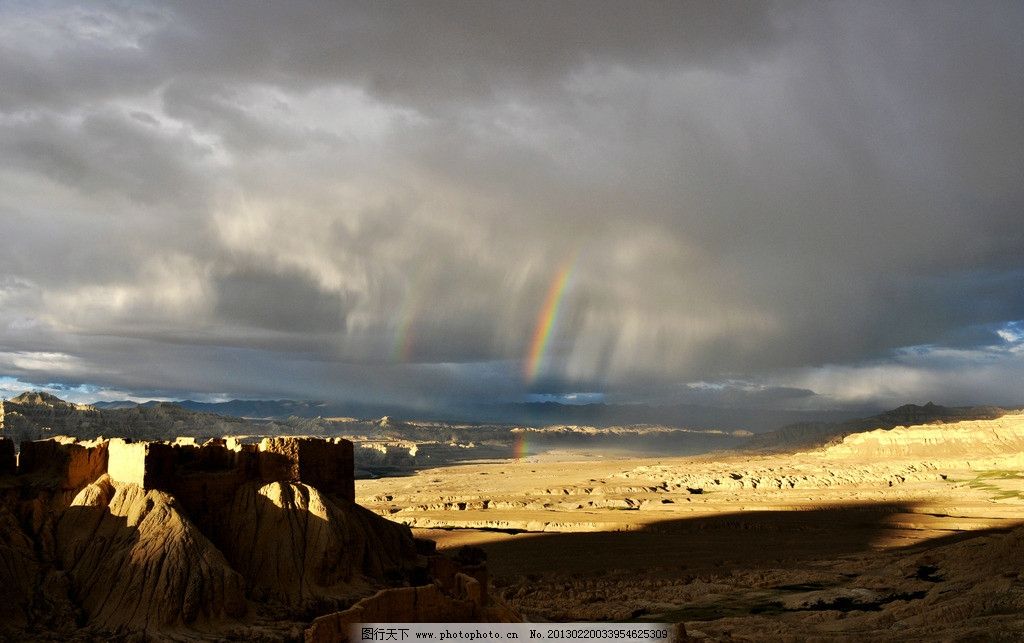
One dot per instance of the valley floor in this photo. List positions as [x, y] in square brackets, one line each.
[911, 533]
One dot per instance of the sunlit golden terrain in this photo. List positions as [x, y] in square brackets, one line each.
[859, 532]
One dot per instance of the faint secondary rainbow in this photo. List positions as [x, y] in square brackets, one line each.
[401, 347]
[547, 319]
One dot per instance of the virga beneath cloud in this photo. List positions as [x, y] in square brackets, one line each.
[372, 201]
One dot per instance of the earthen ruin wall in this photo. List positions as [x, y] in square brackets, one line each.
[328, 466]
[8, 460]
[126, 461]
[199, 475]
[71, 464]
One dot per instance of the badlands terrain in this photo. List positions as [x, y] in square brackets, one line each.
[113, 540]
[905, 525]
[383, 446]
[892, 534]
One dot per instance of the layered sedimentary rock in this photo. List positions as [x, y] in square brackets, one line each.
[973, 439]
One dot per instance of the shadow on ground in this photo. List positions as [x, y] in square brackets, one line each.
[719, 543]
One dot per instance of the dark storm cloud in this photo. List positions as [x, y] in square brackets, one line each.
[451, 51]
[762, 199]
[106, 152]
[295, 302]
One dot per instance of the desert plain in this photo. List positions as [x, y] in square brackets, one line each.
[912, 533]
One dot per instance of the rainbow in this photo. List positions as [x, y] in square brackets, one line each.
[401, 347]
[546, 319]
[520, 449]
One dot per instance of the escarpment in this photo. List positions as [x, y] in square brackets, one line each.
[196, 541]
[970, 439]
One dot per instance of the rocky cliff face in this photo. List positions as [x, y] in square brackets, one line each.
[336, 546]
[973, 439]
[195, 541]
[137, 563]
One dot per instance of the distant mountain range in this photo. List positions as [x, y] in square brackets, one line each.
[690, 416]
[261, 409]
[774, 428]
[37, 415]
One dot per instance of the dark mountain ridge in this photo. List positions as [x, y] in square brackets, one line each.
[692, 416]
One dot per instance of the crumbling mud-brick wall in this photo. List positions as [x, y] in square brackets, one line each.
[328, 465]
[325, 464]
[71, 464]
[207, 478]
[126, 461]
[8, 460]
[161, 465]
[279, 460]
[203, 477]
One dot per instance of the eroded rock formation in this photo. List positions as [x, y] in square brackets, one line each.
[966, 440]
[198, 541]
[336, 545]
[136, 562]
[18, 570]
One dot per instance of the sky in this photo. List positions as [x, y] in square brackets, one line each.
[797, 205]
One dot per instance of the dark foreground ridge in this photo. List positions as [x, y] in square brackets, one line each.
[201, 542]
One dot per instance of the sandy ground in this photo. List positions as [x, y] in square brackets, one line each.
[787, 546]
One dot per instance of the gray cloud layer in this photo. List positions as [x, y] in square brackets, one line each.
[372, 200]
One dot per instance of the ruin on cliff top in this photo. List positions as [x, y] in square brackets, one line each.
[196, 473]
